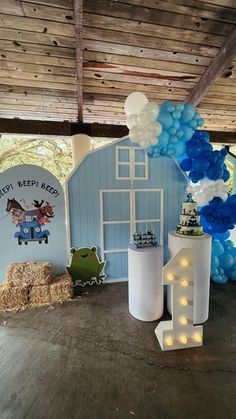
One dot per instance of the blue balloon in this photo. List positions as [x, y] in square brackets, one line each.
[232, 275]
[194, 148]
[219, 279]
[217, 248]
[216, 202]
[179, 148]
[195, 176]
[223, 152]
[221, 236]
[226, 175]
[187, 115]
[165, 119]
[214, 172]
[188, 132]
[226, 260]
[214, 262]
[200, 164]
[186, 165]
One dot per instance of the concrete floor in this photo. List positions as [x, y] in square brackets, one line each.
[90, 359]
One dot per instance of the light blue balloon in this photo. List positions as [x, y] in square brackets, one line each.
[173, 139]
[219, 279]
[165, 120]
[164, 138]
[180, 148]
[214, 262]
[170, 108]
[193, 124]
[180, 133]
[232, 251]
[226, 260]
[200, 122]
[214, 272]
[176, 114]
[164, 106]
[187, 114]
[188, 132]
[176, 124]
[217, 248]
[180, 107]
[233, 275]
[229, 243]
[172, 130]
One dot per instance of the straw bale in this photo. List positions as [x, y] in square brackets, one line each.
[13, 298]
[60, 290]
[29, 273]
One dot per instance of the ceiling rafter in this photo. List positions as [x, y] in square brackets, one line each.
[214, 70]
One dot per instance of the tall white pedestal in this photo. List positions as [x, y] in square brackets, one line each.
[202, 251]
[146, 292]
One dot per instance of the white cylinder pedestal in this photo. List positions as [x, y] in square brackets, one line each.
[81, 145]
[202, 251]
[146, 294]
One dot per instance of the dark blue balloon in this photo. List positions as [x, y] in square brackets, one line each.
[200, 164]
[216, 202]
[195, 176]
[214, 172]
[193, 148]
[223, 152]
[186, 165]
[226, 175]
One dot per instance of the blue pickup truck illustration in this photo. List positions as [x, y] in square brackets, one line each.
[31, 230]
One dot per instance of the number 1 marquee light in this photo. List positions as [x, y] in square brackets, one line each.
[179, 333]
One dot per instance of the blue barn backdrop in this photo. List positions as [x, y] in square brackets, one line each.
[117, 190]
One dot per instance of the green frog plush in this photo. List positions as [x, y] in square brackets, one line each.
[86, 267]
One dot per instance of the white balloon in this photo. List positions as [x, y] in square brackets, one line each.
[155, 127]
[144, 117]
[154, 140]
[153, 110]
[131, 121]
[135, 102]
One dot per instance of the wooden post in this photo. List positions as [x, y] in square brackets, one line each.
[78, 19]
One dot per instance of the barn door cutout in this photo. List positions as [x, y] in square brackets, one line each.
[32, 218]
[122, 212]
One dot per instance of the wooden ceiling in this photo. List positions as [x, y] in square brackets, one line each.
[59, 65]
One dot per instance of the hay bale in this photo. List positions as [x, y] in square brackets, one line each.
[29, 273]
[60, 290]
[13, 298]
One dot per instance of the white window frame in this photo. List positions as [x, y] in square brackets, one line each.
[131, 164]
[132, 221]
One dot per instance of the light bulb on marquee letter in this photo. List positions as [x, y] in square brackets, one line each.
[179, 332]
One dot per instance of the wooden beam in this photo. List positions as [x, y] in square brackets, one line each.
[221, 137]
[27, 127]
[214, 70]
[78, 19]
[66, 128]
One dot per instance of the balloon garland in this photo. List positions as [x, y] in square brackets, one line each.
[172, 129]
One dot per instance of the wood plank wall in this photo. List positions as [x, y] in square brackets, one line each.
[160, 48]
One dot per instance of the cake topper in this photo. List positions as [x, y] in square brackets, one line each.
[189, 198]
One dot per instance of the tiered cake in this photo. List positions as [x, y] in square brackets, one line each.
[189, 221]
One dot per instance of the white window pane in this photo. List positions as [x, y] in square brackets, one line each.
[123, 155]
[139, 156]
[124, 171]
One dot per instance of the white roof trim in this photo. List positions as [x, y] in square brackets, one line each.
[110, 144]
